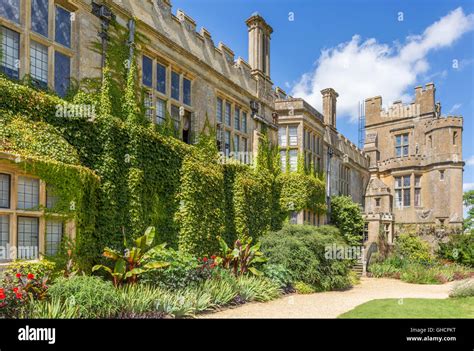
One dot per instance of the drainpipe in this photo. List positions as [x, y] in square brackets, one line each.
[328, 181]
[131, 41]
[106, 16]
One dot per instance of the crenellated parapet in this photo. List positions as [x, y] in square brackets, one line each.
[180, 29]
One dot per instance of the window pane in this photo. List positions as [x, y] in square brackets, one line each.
[4, 190]
[418, 197]
[62, 73]
[147, 71]
[4, 232]
[282, 136]
[160, 111]
[9, 64]
[398, 182]
[293, 160]
[28, 238]
[39, 17]
[406, 181]
[63, 27]
[54, 233]
[236, 144]
[219, 110]
[405, 139]
[417, 180]
[244, 122]
[186, 91]
[237, 118]
[293, 135]
[161, 78]
[398, 140]
[39, 64]
[28, 193]
[148, 104]
[51, 197]
[399, 151]
[406, 197]
[175, 85]
[175, 116]
[405, 151]
[227, 113]
[10, 9]
[398, 198]
[227, 143]
[283, 160]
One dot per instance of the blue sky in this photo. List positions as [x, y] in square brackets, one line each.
[361, 48]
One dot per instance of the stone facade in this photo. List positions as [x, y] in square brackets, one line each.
[305, 131]
[416, 167]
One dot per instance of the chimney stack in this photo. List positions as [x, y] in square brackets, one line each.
[329, 106]
[259, 44]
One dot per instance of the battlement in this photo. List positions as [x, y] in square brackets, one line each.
[157, 16]
[423, 105]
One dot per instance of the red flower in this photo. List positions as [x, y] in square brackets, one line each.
[2, 297]
[19, 295]
[213, 257]
[18, 275]
[15, 290]
[2, 291]
[204, 259]
[30, 276]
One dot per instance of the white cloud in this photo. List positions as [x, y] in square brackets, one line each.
[470, 161]
[361, 69]
[467, 186]
[454, 108]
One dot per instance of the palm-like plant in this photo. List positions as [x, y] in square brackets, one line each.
[135, 260]
[241, 258]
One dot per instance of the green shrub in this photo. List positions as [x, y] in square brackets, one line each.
[95, 297]
[463, 288]
[138, 300]
[201, 212]
[54, 309]
[223, 290]
[301, 250]
[174, 303]
[412, 248]
[347, 216]
[251, 288]
[459, 248]
[183, 270]
[42, 268]
[278, 274]
[384, 269]
[303, 288]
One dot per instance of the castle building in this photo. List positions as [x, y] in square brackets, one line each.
[409, 173]
[305, 132]
[416, 167]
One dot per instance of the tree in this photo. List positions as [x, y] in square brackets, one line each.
[347, 216]
[469, 203]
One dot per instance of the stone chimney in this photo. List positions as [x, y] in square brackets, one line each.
[329, 106]
[259, 44]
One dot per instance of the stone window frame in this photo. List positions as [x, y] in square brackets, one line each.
[27, 35]
[344, 179]
[417, 191]
[13, 213]
[402, 144]
[166, 96]
[403, 190]
[222, 127]
[312, 145]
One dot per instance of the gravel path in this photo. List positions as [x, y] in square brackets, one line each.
[333, 303]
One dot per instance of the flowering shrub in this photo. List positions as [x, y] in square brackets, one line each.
[18, 290]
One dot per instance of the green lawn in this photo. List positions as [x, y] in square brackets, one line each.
[414, 308]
